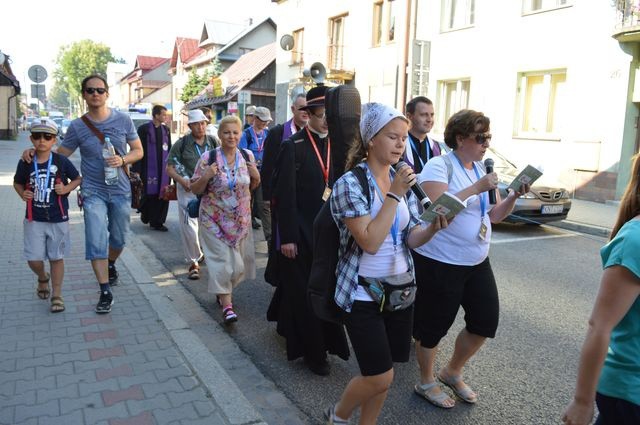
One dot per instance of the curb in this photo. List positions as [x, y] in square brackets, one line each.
[589, 229]
[225, 393]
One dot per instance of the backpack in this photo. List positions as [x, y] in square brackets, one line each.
[326, 243]
[193, 206]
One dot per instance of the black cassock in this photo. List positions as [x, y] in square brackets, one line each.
[153, 210]
[297, 191]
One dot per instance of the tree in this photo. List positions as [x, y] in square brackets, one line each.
[78, 60]
[216, 67]
[195, 85]
[59, 95]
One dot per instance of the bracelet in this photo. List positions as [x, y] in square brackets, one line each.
[122, 158]
[393, 196]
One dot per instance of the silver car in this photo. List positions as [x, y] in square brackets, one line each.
[542, 204]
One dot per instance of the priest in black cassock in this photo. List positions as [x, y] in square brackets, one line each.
[301, 184]
[156, 143]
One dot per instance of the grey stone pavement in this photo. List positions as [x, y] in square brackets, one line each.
[158, 358]
[144, 363]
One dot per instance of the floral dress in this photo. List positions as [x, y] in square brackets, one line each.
[225, 208]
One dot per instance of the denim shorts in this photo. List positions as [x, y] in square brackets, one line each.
[106, 222]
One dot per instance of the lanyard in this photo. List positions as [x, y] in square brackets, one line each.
[198, 148]
[35, 169]
[259, 139]
[396, 220]
[483, 200]
[232, 183]
[413, 147]
[325, 170]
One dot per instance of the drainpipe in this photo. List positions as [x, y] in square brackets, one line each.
[403, 74]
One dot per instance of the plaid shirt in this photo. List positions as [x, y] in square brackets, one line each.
[349, 201]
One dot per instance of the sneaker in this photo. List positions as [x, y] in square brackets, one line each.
[113, 275]
[228, 315]
[194, 272]
[329, 415]
[105, 302]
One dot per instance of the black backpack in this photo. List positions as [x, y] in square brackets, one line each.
[326, 243]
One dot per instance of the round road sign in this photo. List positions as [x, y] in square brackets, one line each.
[37, 73]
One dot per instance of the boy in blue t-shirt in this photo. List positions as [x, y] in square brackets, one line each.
[44, 185]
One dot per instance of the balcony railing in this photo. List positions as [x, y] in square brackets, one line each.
[627, 27]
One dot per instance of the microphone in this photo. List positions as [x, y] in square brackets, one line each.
[415, 188]
[488, 165]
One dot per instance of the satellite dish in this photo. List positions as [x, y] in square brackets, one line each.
[286, 42]
[37, 73]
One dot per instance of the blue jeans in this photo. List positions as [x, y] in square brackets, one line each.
[106, 222]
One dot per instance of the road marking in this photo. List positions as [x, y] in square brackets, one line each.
[532, 238]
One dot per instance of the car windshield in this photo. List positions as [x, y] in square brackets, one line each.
[66, 123]
[506, 169]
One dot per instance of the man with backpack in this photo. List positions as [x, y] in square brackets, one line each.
[183, 157]
[253, 138]
[301, 184]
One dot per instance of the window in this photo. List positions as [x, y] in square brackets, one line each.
[298, 46]
[532, 6]
[336, 42]
[540, 104]
[453, 95]
[457, 14]
[377, 23]
[384, 22]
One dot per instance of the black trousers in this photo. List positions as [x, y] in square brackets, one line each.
[615, 411]
[154, 210]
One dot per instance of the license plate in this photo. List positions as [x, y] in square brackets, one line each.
[552, 209]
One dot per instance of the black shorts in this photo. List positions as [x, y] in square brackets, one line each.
[443, 288]
[616, 411]
[378, 338]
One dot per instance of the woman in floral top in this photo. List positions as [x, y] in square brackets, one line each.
[225, 213]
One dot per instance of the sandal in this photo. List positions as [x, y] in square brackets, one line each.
[194, 272]
[228, 315]
[438, 400]
[465, 393]
[43, 294]
[57, 304]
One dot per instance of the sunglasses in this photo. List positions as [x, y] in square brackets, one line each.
[37, 136]
[481, 138]
[92, 90]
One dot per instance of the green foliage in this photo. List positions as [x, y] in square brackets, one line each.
[216, 67]
[195, 85]
[59, 95]
[78, 60]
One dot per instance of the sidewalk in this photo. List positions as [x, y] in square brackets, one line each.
[141, 364]
[590, 217]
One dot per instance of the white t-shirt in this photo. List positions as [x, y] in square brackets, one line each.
[387, 261]
[459, 243]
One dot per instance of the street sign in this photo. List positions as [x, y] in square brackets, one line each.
[37, 73]
[38, 92]
[244, 96]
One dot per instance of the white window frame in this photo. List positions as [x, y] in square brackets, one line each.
[336, 45]
[539, 105]
[457, 14]
[298, 47]
[530, 7]
[453, 95]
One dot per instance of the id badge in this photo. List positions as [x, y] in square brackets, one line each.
[482, 234]
[231, 202]
[326, 193]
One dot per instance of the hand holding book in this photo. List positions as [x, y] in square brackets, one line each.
[447, 205]
[526, 177]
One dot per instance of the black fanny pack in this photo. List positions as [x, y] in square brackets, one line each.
[392, 293]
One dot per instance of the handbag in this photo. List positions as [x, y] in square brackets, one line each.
[135, 181]
[169, 193]
[392, 293]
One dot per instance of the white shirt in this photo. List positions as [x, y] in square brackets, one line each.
[459, 243]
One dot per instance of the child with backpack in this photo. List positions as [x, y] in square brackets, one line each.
[375, 279]
[45, 185]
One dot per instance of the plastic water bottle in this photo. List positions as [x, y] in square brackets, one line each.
[110, 173]
[180, 168]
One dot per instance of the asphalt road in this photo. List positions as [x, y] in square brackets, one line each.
[547, 280]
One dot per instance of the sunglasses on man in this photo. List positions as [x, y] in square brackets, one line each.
[37, 136]
[92, 90]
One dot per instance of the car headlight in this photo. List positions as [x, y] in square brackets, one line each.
[565, 194]
[528, 195]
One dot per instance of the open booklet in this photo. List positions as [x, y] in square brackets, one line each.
[447, 204]
[527, 176]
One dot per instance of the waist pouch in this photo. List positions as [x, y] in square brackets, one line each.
[392, 293]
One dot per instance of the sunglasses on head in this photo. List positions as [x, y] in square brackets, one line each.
[37, 136]
[92, 90]
[481, 138]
